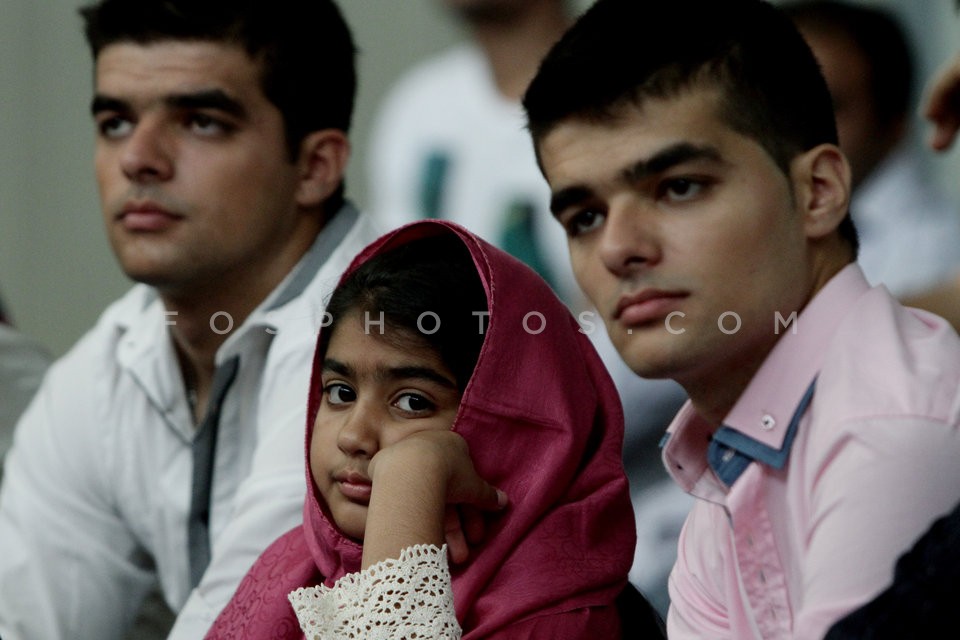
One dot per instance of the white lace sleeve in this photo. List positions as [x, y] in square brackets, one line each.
[406, 598]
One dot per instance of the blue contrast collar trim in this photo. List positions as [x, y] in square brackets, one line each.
[730, 451]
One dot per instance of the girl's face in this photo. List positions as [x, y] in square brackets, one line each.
[375, 393]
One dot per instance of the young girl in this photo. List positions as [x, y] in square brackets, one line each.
[446, 361]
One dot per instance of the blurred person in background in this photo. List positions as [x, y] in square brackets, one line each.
[909, 228]
[942, 108]
[22, 365]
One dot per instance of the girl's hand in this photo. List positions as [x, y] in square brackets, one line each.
[422, 485]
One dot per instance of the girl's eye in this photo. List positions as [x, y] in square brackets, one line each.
[339, 393]
[414, 403]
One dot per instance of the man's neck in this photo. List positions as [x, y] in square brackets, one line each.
[714, 392]
[198, 330]
[514, 49]
[713, 397]
[203, 316]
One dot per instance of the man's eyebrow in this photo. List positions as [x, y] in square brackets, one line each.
[669, 157]
[215, 99]
[102, 103]
[660, 161]
[568, 197]
[209, 99]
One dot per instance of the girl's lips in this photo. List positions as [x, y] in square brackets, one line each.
[354, 485]
[355, 490]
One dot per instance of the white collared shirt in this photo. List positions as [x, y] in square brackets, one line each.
[97, 491]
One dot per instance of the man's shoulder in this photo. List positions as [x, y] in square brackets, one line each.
[82, 384]
[134, 309]
[886, 358]
[881, 326]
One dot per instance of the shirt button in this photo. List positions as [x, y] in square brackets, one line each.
[767, 422]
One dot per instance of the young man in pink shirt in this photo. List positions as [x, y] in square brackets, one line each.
[692, 157]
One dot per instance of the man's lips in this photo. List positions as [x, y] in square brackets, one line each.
[146, 216]
[354, 486]
[646, 306]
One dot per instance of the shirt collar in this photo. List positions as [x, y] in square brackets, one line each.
[327, 241]
[270, 314]
[764, 419]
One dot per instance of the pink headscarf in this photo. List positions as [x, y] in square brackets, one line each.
[543, 422]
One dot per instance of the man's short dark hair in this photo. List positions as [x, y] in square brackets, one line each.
[305, 46]
[621, 52]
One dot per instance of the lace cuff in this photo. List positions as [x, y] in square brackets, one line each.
[406, 598]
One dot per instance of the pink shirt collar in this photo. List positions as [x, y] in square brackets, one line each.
[763, 421]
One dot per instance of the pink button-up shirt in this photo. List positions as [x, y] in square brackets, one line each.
[842, 450]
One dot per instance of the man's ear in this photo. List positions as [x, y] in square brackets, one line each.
[821, 182]
[322, 162]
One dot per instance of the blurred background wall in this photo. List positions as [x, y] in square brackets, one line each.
[56, 270]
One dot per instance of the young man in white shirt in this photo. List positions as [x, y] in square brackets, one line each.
[166, 445]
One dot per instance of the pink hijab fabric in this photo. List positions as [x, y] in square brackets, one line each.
[544, 423]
